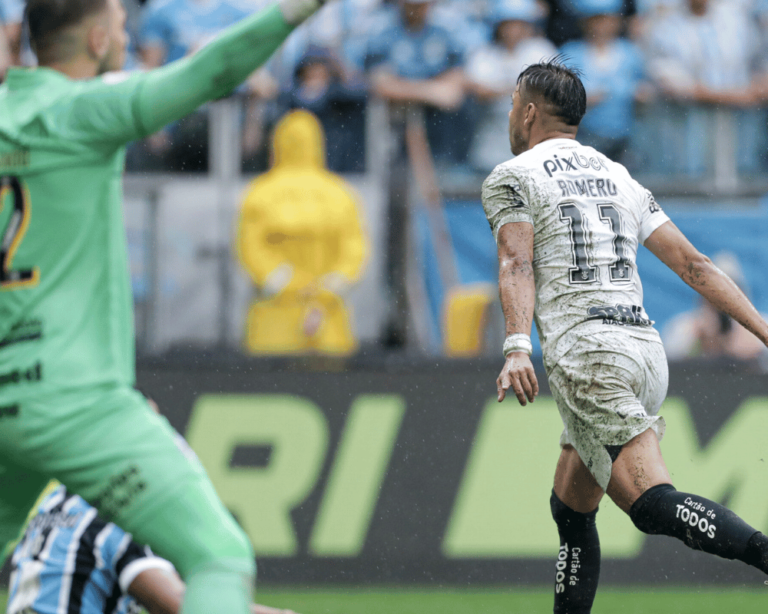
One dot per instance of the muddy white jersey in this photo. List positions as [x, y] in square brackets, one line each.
[589, 217]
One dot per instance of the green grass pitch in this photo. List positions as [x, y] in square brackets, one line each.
[609, 601]
[495, 601]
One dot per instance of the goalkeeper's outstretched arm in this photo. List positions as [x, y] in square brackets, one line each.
[121, 107]
[173, 91]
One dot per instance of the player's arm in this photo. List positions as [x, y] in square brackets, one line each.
[517, 290]
[115, 109]
[510, 214]
[175, 90]
[671, 246]
[159, 590]
[445, 91]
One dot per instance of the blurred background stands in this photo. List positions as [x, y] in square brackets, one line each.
[676, 88]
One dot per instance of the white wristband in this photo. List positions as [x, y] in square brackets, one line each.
[517, 342]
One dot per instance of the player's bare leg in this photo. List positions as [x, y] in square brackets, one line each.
[574, 484]
[639, 466]
[574, 502]
[640, 485]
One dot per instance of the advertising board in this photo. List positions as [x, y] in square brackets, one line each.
[417, 475]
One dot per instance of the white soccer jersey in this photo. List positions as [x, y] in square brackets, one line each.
[589, 217]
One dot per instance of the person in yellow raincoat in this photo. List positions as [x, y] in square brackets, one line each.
[301, 239]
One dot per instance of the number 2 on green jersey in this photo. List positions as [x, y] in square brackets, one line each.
[11, 188]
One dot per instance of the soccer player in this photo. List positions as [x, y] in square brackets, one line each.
[568, 223]
[67, 404]
[70, 558]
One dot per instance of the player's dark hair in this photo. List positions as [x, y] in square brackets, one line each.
[47, 19]
[559, 85]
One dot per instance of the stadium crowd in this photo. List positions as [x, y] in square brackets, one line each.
[651, 68]
[460, 59]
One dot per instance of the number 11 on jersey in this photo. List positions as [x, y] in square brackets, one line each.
[582, 271]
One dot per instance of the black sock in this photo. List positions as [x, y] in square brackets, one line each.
[578, 562]
[700, 524]
[757, 552]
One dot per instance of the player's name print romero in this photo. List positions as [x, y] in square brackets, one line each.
[588, 187]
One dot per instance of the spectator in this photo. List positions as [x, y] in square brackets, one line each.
[5, 54]
[706, 53]
[334, 23]
[657, 7]
[492, 75]
[173, 29]
[331, 28]
[464, 20]
[12, 16]
[301, 240]
[612, 69]
[563, 21]
[414, 61]
[369, 27]
[320, 86]
[709, 55]
[706, 332]
[649, 12]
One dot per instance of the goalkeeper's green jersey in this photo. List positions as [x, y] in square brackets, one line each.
[66, 309]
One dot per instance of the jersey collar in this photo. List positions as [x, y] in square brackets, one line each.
[554, 142]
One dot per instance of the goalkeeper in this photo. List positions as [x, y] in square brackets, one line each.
[68, 408]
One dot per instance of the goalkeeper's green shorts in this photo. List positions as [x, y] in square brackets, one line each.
[107, 445]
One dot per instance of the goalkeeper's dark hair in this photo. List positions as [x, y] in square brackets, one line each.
[559, 86]
[47, 20]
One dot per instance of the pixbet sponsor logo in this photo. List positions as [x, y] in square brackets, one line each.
[698, 516]
[573, 162]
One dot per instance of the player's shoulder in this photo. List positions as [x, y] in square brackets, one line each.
[106, 85]
[522, 163]
[115, 77]
[520, 170]
[509, 184]
[501, 173]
